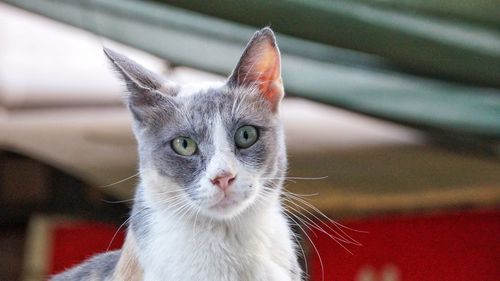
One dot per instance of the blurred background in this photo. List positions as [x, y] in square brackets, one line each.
[392, 119]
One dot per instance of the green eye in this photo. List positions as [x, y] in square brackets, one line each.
[184, 146]
[246, 136]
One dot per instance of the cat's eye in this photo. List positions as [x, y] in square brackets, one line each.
[246, 136]
[184, 146]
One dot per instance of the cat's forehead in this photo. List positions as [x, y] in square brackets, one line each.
[211, 99]
[199, 107]
[202, 102]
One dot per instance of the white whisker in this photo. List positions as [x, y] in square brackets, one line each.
[315, 248]
[116, 233]
[120, 181]
[118, 201]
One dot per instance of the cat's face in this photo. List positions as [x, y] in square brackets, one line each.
[218, 149]
[213, 150]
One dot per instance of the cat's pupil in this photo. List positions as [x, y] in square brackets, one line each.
[245, 134]
[184, 143]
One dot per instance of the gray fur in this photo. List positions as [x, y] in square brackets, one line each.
[96, 268]
[133, 73]
[148, 100]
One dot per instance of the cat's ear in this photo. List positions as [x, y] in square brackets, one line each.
[148, 91]
[260, 67]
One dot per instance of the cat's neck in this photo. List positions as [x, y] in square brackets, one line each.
[167, 239]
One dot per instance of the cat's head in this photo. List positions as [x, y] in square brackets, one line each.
[216, 149]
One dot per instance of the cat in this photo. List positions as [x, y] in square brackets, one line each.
[212, 161]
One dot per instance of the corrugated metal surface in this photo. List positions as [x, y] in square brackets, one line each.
[360, 83]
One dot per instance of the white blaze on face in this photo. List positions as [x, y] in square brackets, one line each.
[240, 194]
[223, 159]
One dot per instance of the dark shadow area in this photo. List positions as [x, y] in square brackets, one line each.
[29, 187]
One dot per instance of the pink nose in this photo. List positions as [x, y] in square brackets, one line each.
[223, 181]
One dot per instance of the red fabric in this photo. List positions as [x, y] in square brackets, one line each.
[74, 242]
[461, 246]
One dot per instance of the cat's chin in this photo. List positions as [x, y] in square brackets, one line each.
[224, 203]
[227, 208]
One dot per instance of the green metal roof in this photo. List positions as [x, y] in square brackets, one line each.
[313, 68]
[452, 39]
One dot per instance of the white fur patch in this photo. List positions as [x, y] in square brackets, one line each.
[256, 248]
[243, 190]
[223, 159]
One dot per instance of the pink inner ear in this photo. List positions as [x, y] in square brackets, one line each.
[264, 70]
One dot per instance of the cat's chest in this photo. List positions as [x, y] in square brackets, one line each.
[218, 254]
[216, 264]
